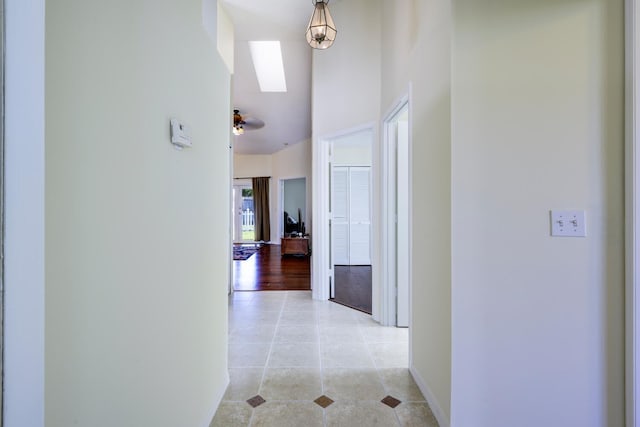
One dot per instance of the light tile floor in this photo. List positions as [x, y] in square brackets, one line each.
[290, 350]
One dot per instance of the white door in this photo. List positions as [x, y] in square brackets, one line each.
[351, 215]
[397, 219]
[360, 215]
[340, 215]
[402, 225]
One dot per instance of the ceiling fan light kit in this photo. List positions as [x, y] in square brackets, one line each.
[241, 122]
[321, 31]
[237, 123]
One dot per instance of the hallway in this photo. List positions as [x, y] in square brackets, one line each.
[290, 351]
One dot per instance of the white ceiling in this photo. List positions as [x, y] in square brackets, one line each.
[287, 116]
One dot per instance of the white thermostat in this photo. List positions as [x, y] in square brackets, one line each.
[180, 134]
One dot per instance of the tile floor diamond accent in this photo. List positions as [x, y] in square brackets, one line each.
[391, 401]
[256, 401]
[323, 401]
[286, 349]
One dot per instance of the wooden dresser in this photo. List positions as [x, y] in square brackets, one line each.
[294, 246]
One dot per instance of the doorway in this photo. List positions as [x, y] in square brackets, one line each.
[396, 213]
[243, 213]
[324, 159]
[351, 233]
[293, 207]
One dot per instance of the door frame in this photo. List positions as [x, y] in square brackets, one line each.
[238, 184]
[321, 264]
[632, 212]
[388, 291]
[24, 274]
[349, 167]
[2, 206]
[281, 181]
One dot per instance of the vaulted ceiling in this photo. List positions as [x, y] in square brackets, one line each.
[287, 116]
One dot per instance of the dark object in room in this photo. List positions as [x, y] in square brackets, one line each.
[290, 224]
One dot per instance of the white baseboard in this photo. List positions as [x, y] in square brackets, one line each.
[217, 400]
[440, 415]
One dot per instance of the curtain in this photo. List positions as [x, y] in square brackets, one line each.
[261, 208]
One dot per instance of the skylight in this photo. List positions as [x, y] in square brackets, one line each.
[267, 61]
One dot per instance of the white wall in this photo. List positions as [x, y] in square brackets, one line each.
[24, 198]
[345, 97]
[537, 125]
[416, 48]
[536, 92]
[224, 34]
[291, 162]
[353, 150]
[136, 271]
[346, 77]
[249, 166]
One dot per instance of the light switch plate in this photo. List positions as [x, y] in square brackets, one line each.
[568, 223]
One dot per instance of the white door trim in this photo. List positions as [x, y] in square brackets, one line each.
[231, 212]
[388, 240]
[320, 258]
[632, 212]
[24, 375]
[320, 263]
[238, 185]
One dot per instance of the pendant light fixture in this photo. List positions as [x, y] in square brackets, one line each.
[321, 31]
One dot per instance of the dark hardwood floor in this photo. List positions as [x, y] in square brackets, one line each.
[266, 270]
[353, 286]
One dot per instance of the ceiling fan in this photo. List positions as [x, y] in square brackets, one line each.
[242, 122]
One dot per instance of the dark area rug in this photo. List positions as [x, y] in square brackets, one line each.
[353, 286]
[241, 253]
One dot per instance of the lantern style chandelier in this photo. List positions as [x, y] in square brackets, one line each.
[321, 31]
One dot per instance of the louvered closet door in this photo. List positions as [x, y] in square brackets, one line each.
[360, 216]
[351, 219]
[340, 217]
